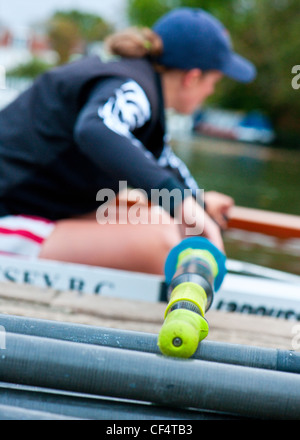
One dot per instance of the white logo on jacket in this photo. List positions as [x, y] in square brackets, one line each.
[128, 110]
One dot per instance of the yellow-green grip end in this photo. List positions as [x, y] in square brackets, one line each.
[181, 333]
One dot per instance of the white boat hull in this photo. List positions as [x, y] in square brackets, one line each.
[247, 288]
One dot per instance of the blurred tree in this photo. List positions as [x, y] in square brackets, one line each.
[266, 32]
[31, 69]
[146, 12]
[71, 31]
[91, 27]
[64, 36]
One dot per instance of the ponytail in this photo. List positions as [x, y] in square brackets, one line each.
[135, 43]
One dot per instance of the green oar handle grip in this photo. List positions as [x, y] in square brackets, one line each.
[194, 269]
[185, 325]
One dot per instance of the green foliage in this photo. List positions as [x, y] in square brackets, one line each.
[32, 69]
[71, 31]
[91, 27]
[64, 37]
[264, 31]
[146, 12]
[270, 38]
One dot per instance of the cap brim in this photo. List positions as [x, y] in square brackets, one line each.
[239, 69]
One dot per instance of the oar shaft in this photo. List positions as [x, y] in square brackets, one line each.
[257, 357]
[136, 376]
[66, 405]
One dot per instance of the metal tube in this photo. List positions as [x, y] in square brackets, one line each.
[91, 407]
[14, 413]
[137, 376]
[266, 358]
[80, 333]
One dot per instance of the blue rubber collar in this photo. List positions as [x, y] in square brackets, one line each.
[196, 243]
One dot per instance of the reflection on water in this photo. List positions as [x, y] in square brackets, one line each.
[263, 250]
[256, 177]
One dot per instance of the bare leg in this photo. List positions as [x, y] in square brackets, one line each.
[139, 248]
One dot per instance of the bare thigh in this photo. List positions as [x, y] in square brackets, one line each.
[132, 247]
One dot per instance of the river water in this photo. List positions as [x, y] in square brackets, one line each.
[256, 177]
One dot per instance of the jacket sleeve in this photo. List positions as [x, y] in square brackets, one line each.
[169, 160]
[106, 132]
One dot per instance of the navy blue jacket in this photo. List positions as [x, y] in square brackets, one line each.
[60, 142]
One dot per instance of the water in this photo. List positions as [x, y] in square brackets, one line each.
[256, 177]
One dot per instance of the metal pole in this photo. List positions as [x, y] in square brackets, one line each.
[137, 376]
[266, 358]
[80, 333]
[93, 408]
[14, 413]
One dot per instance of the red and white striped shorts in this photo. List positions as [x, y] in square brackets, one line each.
[23, 235]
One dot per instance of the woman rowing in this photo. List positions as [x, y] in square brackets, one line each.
[89, 125]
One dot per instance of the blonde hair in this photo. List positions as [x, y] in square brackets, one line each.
[135, 43]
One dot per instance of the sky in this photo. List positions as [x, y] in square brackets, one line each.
[19, 13]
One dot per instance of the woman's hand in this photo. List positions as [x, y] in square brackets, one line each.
[218, 206]
[195, 221]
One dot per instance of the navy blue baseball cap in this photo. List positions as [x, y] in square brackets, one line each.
[193, 38]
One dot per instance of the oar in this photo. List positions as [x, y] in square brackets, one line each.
[194, 270]
[284, 226]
